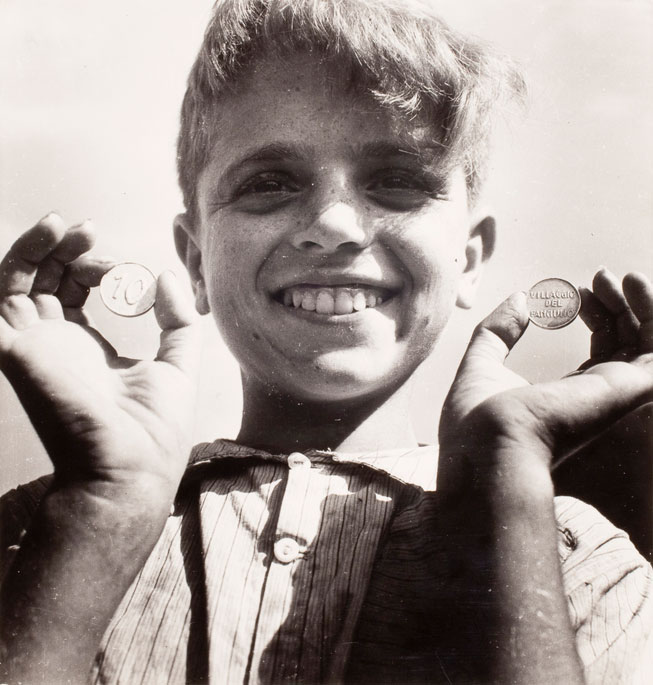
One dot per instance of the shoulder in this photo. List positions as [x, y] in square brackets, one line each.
[17, 508]
[24, 499]
[591, 547]
[609, 587]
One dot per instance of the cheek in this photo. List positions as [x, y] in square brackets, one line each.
[223, 274]
[235, 258]
[434, 265]
[230, 257]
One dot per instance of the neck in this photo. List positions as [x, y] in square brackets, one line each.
[276, 422]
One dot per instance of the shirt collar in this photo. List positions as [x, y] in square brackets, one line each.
[414, 465]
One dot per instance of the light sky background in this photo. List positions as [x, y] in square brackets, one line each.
[89, 100]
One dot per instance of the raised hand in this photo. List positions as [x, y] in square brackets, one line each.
[499, 437]
[117, 431]
[559, 415]
[101, 417]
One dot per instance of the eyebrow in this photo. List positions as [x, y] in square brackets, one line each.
[277, 151]
[374, 150]
[382, 149]
[269, 153]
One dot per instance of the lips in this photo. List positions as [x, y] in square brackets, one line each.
[333, 300]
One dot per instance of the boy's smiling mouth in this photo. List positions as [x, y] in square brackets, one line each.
[333, 300]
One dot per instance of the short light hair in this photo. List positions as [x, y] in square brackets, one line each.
[398, 51]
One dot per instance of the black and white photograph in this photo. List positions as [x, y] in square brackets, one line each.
[326, 342]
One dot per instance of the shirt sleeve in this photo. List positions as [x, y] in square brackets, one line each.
[17, 508]
[609, 586]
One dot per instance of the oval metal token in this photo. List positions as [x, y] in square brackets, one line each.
[553, 303]
[128, 289]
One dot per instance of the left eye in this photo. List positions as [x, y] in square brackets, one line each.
[394, 180]
[402, 189]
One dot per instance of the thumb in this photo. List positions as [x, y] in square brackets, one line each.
[179, 323]
[496, 335]
[481, 373]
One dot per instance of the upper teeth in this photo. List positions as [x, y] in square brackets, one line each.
[325, 300]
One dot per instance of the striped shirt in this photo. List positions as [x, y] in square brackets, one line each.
[327, 567]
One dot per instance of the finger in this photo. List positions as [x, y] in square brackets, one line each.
[600, 321]
[19, 267]
[639, 294]
[47, 306]
[76, 241]
[603, 344]
[176, 316]
[7, 336]
[593, 312]
[79, 277]
[110, 353]
[594, 400]
[625, 327]
[496, 335]
[613, 322]
[19, 311]
[607, 289]
[82, 318]
[77, 315]
[615, 334]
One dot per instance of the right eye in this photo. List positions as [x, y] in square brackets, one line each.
[264, 185]
[266, 191]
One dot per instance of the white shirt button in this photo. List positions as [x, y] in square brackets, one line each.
[286, 550]
[298, 460]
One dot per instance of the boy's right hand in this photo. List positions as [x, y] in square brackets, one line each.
[111, 426]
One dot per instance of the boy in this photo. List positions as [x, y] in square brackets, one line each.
[330, 157]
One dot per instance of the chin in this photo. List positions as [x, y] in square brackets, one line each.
[341, 376]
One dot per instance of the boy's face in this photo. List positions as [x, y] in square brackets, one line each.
[317, 199]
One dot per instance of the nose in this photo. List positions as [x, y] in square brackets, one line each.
[339, 225]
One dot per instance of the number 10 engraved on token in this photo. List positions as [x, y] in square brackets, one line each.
[128, 289]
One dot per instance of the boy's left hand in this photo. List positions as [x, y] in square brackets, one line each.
[490, 406]
[499, 437]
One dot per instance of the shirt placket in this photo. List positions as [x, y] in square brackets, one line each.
[279, 652]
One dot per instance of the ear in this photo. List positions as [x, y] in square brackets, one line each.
[190, 253]
[479, 248]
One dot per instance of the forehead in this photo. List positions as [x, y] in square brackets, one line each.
[301, 100]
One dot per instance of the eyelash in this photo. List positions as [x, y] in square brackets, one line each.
[408, 180]
[395, 188]
[415, 187]
[269, 177]
[414, 180]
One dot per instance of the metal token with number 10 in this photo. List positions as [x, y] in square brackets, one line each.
[128, 289]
